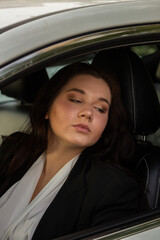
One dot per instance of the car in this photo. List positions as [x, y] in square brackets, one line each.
[128, 32]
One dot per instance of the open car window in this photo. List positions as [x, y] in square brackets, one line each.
[17, 97]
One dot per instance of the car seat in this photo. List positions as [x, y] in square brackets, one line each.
[25, 89]
[143, 111]
[15, 110]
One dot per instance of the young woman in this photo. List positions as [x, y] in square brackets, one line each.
[64, 175]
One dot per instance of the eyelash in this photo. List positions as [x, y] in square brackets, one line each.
[100, 110]
[78, 101]
[74, 100]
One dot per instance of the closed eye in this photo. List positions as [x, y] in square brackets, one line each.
[101, 110]
[74, 100]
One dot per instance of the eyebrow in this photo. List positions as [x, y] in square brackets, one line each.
[76, 90]
[83, 92]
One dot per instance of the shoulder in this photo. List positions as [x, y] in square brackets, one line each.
[9, 147]
[110, 191]
[108, 178]
[102, 170]
[11, 139]
[112, 194]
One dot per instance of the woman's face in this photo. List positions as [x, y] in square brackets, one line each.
[79, 114]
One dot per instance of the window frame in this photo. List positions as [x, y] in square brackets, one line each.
[78, 45]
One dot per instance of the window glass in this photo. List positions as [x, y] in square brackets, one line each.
[51, 70]
[4, 98]
[144, 50]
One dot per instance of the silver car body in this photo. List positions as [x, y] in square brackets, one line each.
[78, 25]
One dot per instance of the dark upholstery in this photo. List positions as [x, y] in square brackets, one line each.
[148, 169]
[25, 89]
[138, 92]
[15, 112]
[143, 112]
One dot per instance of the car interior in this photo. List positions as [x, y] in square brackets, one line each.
[138, 72]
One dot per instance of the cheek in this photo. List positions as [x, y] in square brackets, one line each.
[69, 110]
[63, 110]
[100, 125]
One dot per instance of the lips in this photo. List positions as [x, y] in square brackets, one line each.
[82, 128]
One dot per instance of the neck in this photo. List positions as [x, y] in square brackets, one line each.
[61, 154]
[58, 150]
[56, 159]
[58, 154]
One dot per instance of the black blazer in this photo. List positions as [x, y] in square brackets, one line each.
[95, 193]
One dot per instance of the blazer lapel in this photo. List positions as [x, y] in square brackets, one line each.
[61, 216]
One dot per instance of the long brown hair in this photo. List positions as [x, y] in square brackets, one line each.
[115, 144]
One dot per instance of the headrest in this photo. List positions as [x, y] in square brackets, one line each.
[138, 93]
[25, 89]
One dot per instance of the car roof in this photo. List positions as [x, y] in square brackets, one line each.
[24, 10]
[12, 12]
[55, 27]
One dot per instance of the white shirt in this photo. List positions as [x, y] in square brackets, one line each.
[18, 216]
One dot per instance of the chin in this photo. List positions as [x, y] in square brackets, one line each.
[84, 145]
[83, 142]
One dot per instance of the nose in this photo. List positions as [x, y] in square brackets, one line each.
[87, 113]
